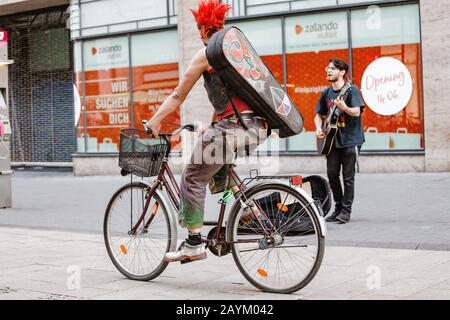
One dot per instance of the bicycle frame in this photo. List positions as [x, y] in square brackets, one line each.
[161, 181]
[173, 191]
[259, 230]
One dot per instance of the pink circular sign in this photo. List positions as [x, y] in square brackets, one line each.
[386, 86]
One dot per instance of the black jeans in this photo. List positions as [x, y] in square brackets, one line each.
[345, 158]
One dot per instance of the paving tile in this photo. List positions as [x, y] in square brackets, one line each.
[24, 295]
[368, 296]
[406, 287]
[36, 267]
[118, 285]
[443, 285]
[430, 294]
[87, 293]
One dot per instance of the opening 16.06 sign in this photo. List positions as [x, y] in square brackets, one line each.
[386, 86]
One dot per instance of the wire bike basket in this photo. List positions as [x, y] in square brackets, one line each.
[139, 154]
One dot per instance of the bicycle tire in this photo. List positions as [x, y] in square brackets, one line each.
[161, 209]
[232, 232]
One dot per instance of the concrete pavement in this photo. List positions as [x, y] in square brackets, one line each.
[395, 247]
[401, 211]
[43, 264]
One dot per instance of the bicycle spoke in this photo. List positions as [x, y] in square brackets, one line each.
[141, 253]
[282, 259]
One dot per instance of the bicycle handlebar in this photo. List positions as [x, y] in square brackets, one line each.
[188, 127]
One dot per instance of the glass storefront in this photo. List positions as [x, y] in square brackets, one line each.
[154, 60]
[126, 78]
[107, 96]
[110, 100]
[382, 47]
[387, 67]
[311, 40]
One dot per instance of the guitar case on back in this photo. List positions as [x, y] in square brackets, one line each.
[241, 69]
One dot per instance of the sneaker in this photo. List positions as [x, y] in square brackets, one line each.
[187, 253]
[333, 216]
[344, 217]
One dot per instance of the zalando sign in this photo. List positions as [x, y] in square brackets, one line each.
[317, 27]
[109, 49]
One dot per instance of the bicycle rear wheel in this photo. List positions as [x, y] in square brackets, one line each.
[281, 250]
[138, 255]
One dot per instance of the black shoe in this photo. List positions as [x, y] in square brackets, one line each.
[344, 217]
[333, 216]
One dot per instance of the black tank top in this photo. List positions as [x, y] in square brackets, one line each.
[218, 94]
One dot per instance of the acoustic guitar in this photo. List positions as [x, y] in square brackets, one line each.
[329, 124]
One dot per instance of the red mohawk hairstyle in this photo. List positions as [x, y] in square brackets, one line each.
[210, 16]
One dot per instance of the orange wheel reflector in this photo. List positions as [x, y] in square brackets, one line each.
[262, 272]
[155, 208]
[282, 207]
[123, 249]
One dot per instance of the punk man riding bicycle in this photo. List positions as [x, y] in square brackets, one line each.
[226, 133]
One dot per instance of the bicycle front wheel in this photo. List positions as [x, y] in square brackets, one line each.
[137, 251]
[280, 250]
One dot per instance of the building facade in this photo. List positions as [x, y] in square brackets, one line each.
[40, 95]
[127, 60]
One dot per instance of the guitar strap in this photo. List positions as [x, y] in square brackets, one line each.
[238, 113]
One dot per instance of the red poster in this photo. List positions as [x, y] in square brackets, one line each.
[108, 103]
[151, 86]
[306, 79]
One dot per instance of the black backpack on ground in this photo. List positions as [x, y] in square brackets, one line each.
[320, 191]
[293, 221]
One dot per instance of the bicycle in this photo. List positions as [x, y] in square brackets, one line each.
[139, 226]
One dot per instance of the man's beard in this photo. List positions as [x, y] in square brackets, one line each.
[333, 80]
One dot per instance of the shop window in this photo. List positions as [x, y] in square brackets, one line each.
[155, 75]
[387, 68]
[311, 41]
[107, 97]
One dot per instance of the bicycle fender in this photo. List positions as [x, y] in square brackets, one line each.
[323, 227]
[172, 220]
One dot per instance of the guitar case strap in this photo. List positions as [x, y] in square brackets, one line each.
[236, 111]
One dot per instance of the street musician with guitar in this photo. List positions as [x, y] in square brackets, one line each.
[340, 135]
